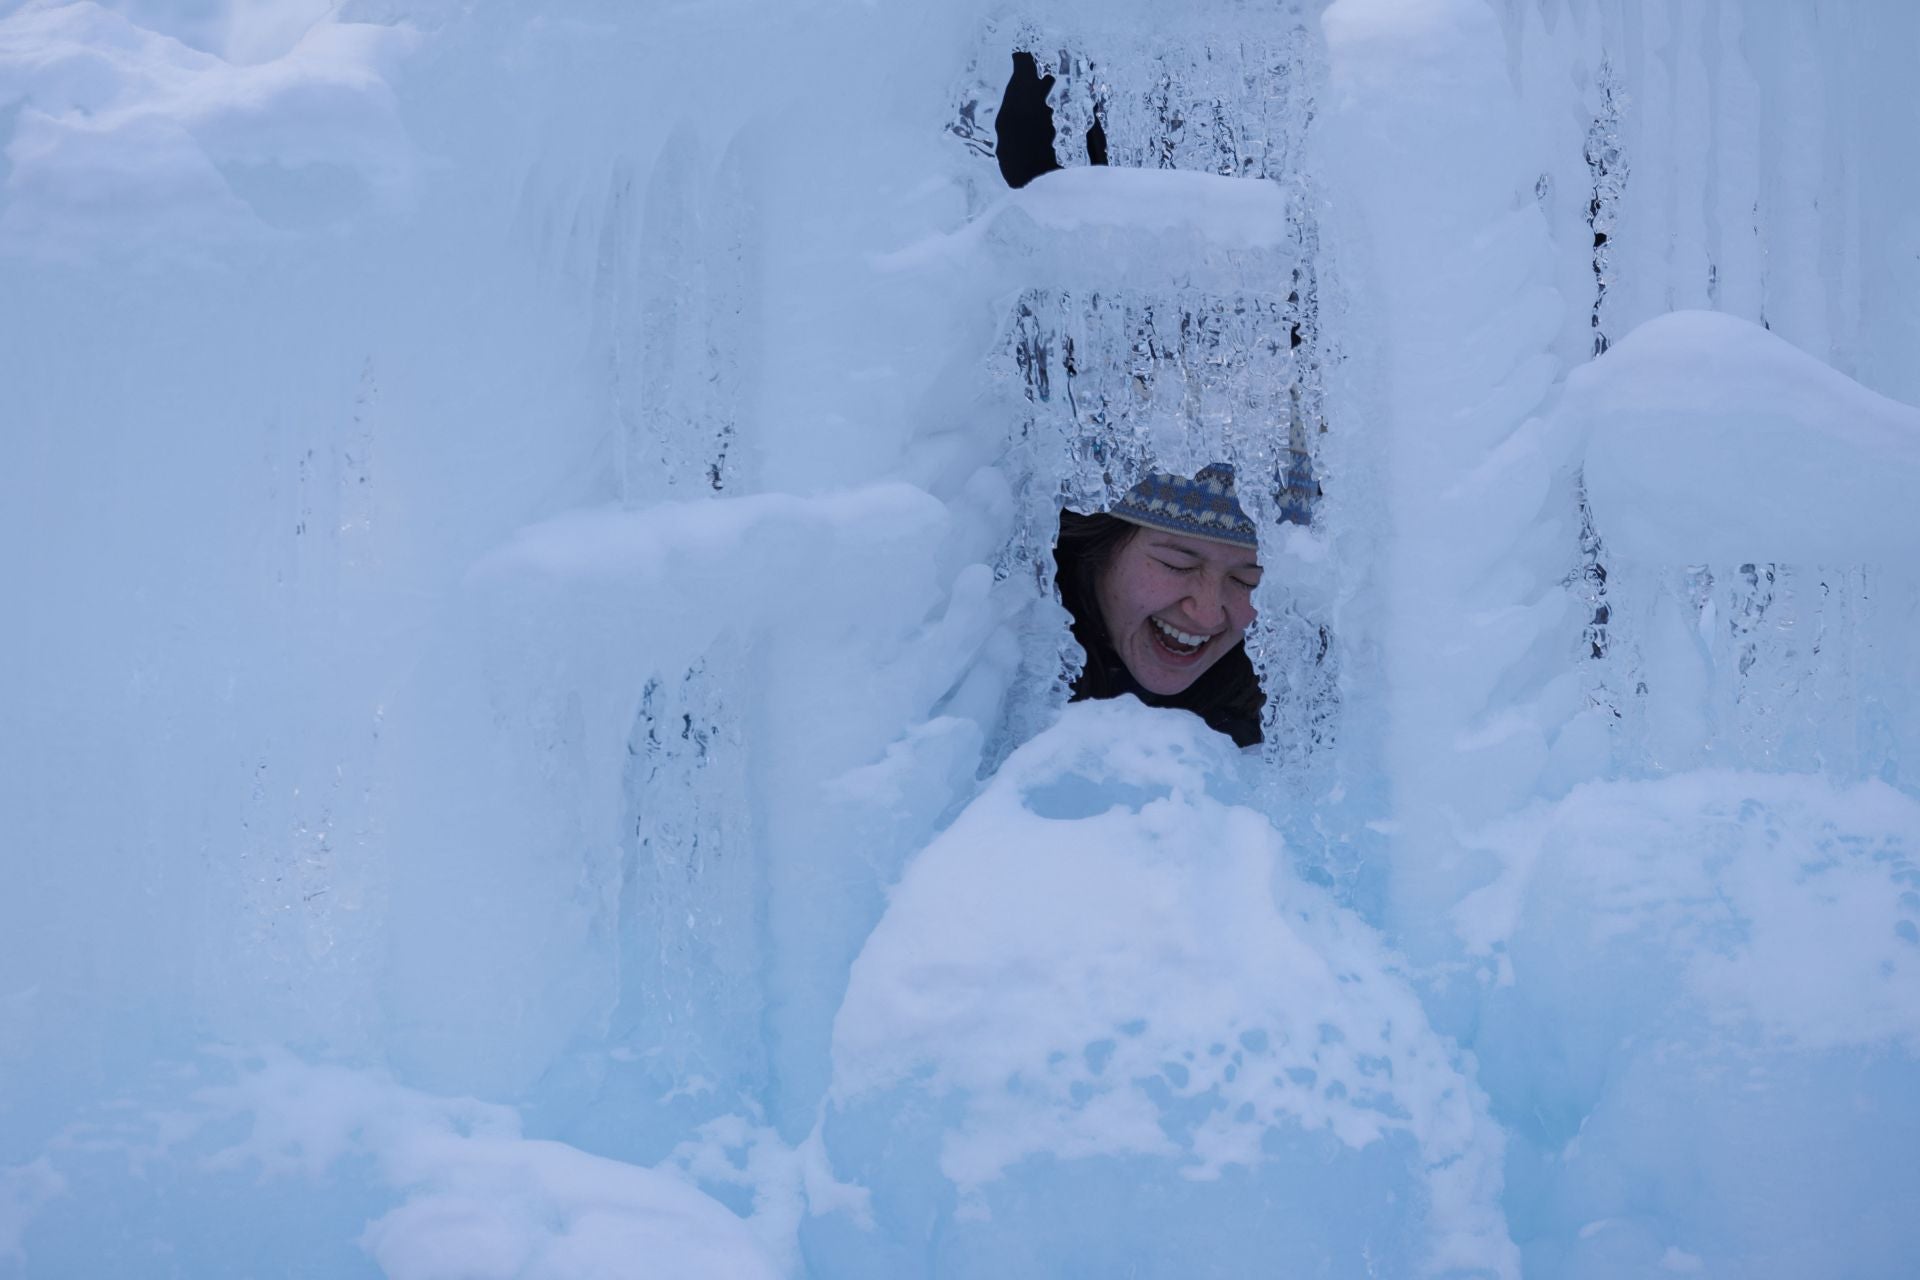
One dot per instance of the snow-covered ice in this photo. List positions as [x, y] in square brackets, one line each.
[1104, 1005]
[533, 728]
[127, 140]
[270, 1140]
[1718, 972]
[1712, 440]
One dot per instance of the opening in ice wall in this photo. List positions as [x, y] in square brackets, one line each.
[1023, 128]
[1125, 344]
[1214, 355]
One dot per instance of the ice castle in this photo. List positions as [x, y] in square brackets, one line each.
[533, 712]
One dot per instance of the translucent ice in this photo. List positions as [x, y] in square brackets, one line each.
[526, 599]
[277, 1163]
[1695, 987]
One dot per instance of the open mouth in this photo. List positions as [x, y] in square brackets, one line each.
[1175, 641]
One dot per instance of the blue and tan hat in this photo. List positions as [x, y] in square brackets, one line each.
[1203, 507]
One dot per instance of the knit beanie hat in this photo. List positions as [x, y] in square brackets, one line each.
[1203, 507]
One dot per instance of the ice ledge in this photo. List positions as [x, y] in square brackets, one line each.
[1710, 439]
[1101, 214]
[1247, 213]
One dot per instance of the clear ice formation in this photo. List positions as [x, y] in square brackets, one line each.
[533, 732]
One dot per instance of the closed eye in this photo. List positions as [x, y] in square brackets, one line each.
[1177, 568]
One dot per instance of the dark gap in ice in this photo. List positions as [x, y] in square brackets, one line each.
[1023, 129]
[1607, 165]
[1097, 135]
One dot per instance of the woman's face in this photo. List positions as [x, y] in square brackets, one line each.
[1176, 605]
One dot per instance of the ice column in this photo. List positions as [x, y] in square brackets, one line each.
[1457, 311]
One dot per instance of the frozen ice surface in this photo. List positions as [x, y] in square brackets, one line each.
[1699, 988]
[527, 608]
[279, 1164]
[1101, 1018]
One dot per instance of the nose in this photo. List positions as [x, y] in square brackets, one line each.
[1207, 606]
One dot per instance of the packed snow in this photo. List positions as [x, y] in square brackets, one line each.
[126, 139]
[533, 721]
[270, 1137]
[1072, 1000]
[1712, 440]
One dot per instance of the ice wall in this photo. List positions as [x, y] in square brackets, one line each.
[531, 581]
[1734, 163]
[1739, 598]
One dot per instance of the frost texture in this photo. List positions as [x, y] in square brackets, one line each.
[1212, 98]
[530, 583]
[1115, 376]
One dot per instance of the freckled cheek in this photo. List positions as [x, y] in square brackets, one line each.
[1157, 595]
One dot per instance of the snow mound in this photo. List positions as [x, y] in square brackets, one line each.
[250, 1160]
[1713, 440]
[1785, 901]
[1700, 991]
[125, 139]
[1101, 1002]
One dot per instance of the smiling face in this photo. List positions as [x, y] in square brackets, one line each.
[1175, 605]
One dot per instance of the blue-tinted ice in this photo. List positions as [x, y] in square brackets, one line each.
[532, 728]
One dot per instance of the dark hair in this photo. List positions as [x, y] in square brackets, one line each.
[1227, 695]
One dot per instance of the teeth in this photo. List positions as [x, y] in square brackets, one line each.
[1178, 637]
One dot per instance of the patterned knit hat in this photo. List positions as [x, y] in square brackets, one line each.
[1203, 507]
